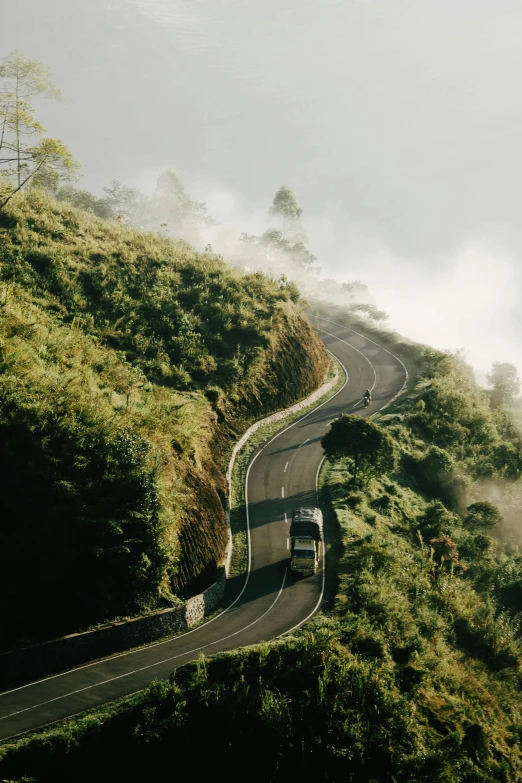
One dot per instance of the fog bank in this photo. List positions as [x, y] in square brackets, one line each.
[396, 124]
[468, 299]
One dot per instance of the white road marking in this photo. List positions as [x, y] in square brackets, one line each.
[303, 443]
[288, 543]
[318, 604]
[249, 566]
[210, 644]
[355, 349]
[323, 547]
[336, 323]
[150, 665]
[282, 492]
[249, 559]
[175, 638]
[284, 471]
[286, 518]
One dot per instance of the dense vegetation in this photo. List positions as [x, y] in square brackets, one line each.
[414, 675]
[128, 363]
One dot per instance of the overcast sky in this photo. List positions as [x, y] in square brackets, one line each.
[398, 124]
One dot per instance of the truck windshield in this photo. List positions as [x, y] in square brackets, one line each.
[304, 554]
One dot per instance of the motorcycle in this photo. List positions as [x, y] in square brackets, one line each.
[367, 401]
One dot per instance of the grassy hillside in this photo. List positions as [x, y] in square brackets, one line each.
[415, 675]
[128, 364]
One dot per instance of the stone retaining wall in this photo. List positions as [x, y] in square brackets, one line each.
[40, 660]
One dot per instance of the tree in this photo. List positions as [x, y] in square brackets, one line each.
[348, 292]
[129, 203]
[173, 207]
[272, 251]
[507, 458]
[367, 445]
[170, 183]
[437, 521]
[83, 199]
[505, 384]
[303, 258]
[370, 310]
[52, 164]
[285, 206]
[482, 516]
[24, 155]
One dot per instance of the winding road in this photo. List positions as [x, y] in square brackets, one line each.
[282, 475]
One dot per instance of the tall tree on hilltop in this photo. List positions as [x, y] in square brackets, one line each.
[128, 204]
[174, 208]
[504, 383]
[170, 183]
[24, 155]
[272, 251]
[285, 206]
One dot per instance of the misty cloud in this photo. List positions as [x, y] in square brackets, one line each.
[397, 125]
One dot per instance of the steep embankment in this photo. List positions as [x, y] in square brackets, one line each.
[415, 675]
[128, 364]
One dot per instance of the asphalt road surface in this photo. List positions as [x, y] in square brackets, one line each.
[270, 601]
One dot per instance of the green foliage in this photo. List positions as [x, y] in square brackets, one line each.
[276, 253]
[128, 364]
[290, 287]
[24, 155]
[27, 78]
[367, 445]
[505, 384]
[482, 516]
[273, 251]
[82, 199]
[173, 207]
[454, 415]
[436, 520]
[285, 206]
[80, 480]
[451, 436]
[51, 163]
[434, 473]
[502, 576]
[415, 676]
[184, 320]
[169, 210]
[127, 203]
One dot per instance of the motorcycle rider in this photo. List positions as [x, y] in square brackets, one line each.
[367, 397]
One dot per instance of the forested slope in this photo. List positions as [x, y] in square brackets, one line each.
[415, 672]
[128, 364]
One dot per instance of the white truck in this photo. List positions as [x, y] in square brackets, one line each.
[306, 537]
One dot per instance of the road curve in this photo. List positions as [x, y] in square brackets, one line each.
[270, 601]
